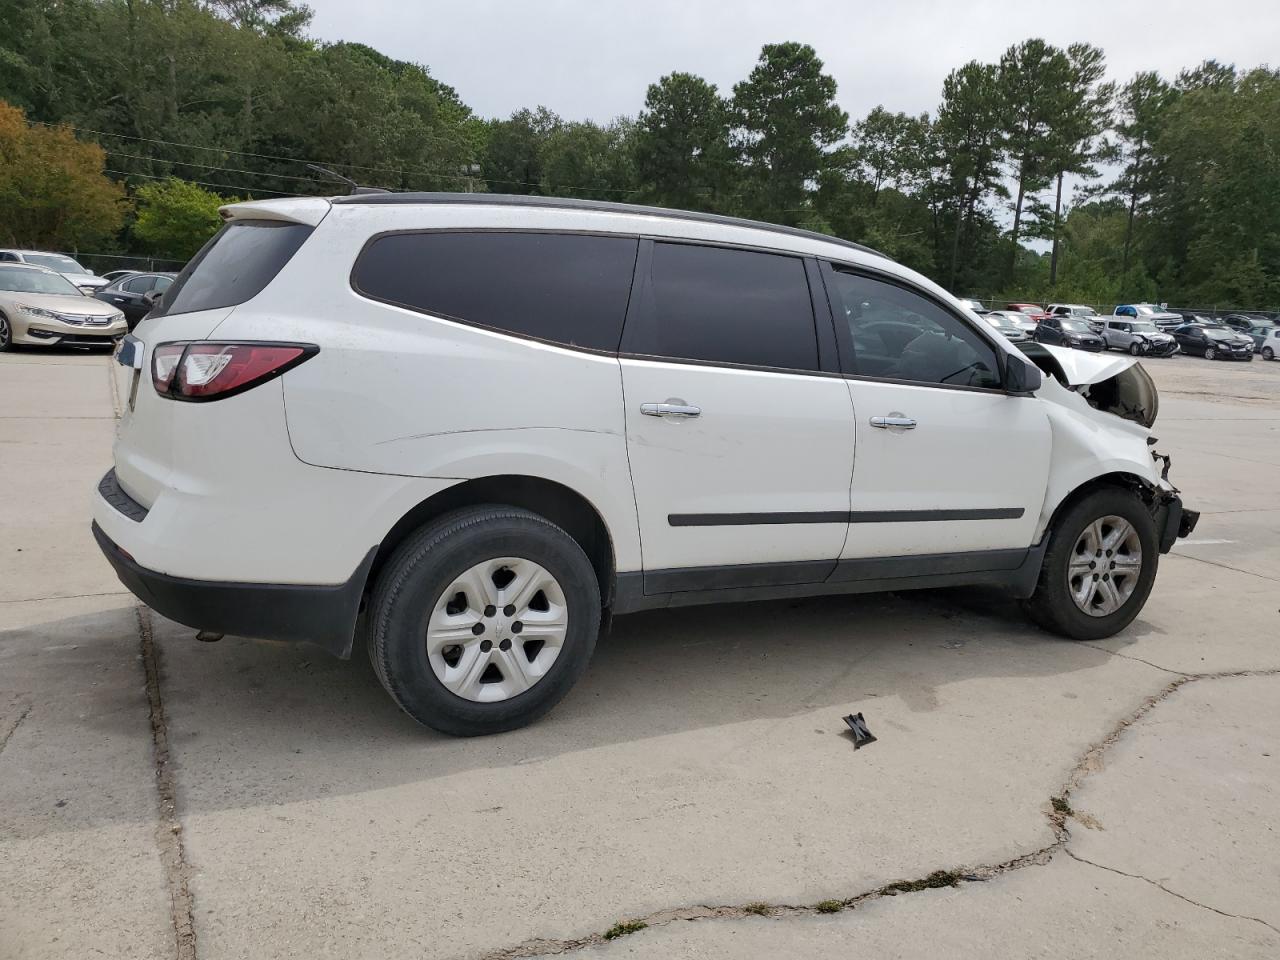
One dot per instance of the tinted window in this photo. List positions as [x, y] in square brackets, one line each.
[561, 287]
[901, 335]
[730, 306]
[242, 258]
[138, 284]
[162, 284]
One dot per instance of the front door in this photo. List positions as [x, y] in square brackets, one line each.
[741, 445]
[947, 462]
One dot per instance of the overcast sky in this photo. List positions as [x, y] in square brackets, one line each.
[593, 59]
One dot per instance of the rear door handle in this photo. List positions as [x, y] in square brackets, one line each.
[902, 423]
[670, 408]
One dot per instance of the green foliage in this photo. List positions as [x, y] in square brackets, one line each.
[232, 95]
[829, 906]
[175, 218]
[624, 928]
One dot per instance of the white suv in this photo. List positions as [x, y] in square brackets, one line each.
[471, 428]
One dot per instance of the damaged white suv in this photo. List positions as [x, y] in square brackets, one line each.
[469, 429]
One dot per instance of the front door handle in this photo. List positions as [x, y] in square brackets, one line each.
[901, 422]
[670, 408]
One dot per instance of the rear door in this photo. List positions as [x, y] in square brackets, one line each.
[948, 462]
[738, 424]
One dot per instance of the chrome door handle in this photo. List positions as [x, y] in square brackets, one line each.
[670, 408]
[902, 423]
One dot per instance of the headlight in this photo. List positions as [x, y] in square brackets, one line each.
[38, 312]
[115, 317]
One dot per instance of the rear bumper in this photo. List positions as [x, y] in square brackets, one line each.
[323, 615]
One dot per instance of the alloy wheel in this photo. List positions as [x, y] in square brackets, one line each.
[4, 332]
[497, 629]
[1209, 353]
[1104, 566]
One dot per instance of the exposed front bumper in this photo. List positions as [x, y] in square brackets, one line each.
[1175, 521]
[323, 615]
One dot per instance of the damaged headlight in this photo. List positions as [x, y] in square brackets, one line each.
[1130, 394]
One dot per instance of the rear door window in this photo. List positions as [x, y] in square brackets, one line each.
[729, 306]
[570, 289]
[233, 267]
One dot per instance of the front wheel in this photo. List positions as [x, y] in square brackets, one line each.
[483, 620]
[6, 334]
[1099, 567]
[1268, 353]
[1210, 353]
[1134, 349]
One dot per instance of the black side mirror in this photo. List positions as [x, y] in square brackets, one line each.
[152, 297]
[1020, 374]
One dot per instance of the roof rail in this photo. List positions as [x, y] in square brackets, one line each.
[602, 206]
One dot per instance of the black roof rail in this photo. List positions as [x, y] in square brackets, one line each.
[602, 206]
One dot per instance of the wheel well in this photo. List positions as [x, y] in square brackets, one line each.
[1126, 481]
[563, 506]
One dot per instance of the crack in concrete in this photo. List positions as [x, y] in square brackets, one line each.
[1226, 566]
[22, 715]
[73, 596]
[168, 828]
[1117, 653]
[1172, 893]
[1089, 763]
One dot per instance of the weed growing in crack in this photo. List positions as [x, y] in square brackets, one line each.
[829, 906]
[624, 928]
[1061, 806]
[939, 878]
[758, 908]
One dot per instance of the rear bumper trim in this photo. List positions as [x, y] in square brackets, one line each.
[111, 491]
[323, 615]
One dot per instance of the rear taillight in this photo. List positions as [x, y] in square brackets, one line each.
[212, 371]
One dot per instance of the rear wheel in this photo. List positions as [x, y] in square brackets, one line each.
[483, 620]
[1099, 568]
[1268, 353]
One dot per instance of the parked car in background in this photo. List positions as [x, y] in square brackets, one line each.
[1214, 342]
[41, 308]
[136, 294]
[1069, 332]
[1194, 316]
[1007, 326]
[1030, 309]
[484, 552]
[1271, 346]
[975, 305]
[1078, 310]
[1250, 326]
[81, 277]
[1138, 337]
[1259, 332]
[111, 276]
[1162, 318]
[1025, 323]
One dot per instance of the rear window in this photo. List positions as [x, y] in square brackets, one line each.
[241, 259]
[570, 289]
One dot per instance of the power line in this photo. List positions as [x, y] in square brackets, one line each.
[203, 183]
[210, 166]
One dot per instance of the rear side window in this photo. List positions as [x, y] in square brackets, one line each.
[570, 289]
[729, 306]
[242, 258]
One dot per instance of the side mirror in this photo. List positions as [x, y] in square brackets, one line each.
[152, 297]
[1020, 374]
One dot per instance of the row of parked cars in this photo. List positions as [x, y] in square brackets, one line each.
[1141, 329]
[49, 298]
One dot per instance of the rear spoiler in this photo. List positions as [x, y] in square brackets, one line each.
[307, 210]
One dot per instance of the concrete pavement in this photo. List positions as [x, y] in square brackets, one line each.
[700, 764]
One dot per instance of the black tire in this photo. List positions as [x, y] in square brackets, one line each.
[1052, 607]
[1268, 353]
[1209, 353]
[6, 334]
[422, 568]
[1134, 349]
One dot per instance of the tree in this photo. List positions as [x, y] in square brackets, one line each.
[281, 17]
[682, 150]
[970, 138]
[891, 149]
[1142, 105]
[786, 119]
[513, 150]
[175, 218]
[1083, 116]
[1029, 80]
[53, 192]
[589, 161]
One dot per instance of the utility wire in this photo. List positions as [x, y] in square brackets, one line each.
[203, 183]
[210, 166]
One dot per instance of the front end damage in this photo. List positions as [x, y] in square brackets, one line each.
[1103, 407]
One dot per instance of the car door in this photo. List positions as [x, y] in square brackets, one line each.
[949, 464]
[739, 427]
[1190, 339]
[1050, 330]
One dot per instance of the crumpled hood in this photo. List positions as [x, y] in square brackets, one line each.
[1082, 368]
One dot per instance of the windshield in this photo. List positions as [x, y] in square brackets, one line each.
[1144, 327]
[1145, 310]
[1076, 326]
[1025, 308]
[1217, 328]
[54, 262]
[23, 280]
[1083, 312]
